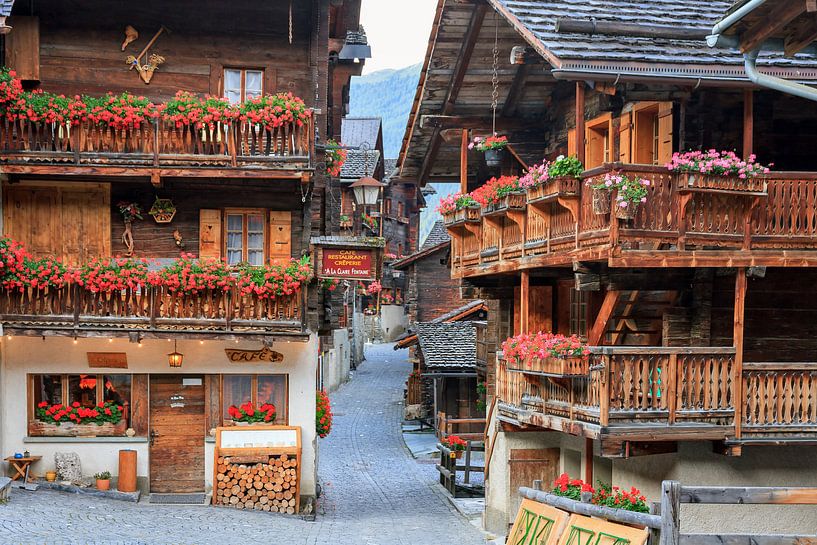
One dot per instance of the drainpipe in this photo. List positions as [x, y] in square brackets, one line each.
[784, 86]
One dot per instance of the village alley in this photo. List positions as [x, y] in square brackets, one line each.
[374, 492]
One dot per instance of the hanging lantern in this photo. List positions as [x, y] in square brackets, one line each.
[367, 191]
[175, 358]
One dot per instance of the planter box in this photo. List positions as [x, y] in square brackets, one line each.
[69, 429]
[694, 181]
[563, 186]
[556, 366]
[463, 215]
[513, 201]
[601, 201]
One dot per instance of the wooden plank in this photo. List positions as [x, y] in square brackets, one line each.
[280, 237]
[23, 47]
[737, 336]
[774, 22]
[670, 512]
[139, 408]
[210, 233]
[580, 125]
[524, 303]
[464, 162]
[771, 495]
[748, 123]
[746, 539]
[537, 523]
[527, 465]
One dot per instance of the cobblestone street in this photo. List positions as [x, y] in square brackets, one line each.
[375, 493]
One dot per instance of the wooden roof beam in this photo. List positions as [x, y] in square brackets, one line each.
[774, 22]
[802, 38]
[516, 90]
[444, 122]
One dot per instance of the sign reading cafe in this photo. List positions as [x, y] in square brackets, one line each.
[347, 263]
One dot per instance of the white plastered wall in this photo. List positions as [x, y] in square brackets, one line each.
[24, 355]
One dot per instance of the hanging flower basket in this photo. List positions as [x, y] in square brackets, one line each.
[469, 214]
[601, 201]
[494, 157]
[163, 210]
[626, 212]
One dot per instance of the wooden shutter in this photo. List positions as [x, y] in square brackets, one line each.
[210, 234]
[280, 238]
[85, 227]
[23, 47]
[664, 132]
[571, 142]
[625, 140]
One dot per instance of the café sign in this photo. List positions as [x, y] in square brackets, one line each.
[352, 263]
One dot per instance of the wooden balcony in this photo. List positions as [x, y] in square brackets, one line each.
[153, 312]
[157, 149]
[647, 394]
[679, 227]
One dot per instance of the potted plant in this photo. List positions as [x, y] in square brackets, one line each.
[50, 476]
[323, 414]
[605, 495]
[499, 194]
[369, 221]
[345, 222]
[103, 480]
[456, 445]
[631, 192]
[163, 210]
[247, 414]
[718, 171]
[335, 158]
[458, 208]
[493, 147]
[557, 179]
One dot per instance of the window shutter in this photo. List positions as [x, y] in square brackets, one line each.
[571, 142]
[664, 133]
[625, 140]
[23, 47]
[210, 234]
[280, 238]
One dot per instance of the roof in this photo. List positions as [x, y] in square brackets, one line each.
[448, 346]
[356, 131]
[458, 314]
[359, 163]
[539, 18]
[782, 21]
[438, 235]
[5, 7]
[390, 168]
[422, 253]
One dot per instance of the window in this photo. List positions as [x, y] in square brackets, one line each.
[401, 210]
[387, 207]
[256, 389]
[245, 237]
[652, 133]
[598, 141]
[87, 390]
[242, 84]
[578, 313]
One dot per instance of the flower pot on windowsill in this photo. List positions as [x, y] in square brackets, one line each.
[696, 181]
[494, 157]
[601, 201]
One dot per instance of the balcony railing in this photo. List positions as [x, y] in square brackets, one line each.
[157, 143]
[662, 391]
[153, 309]
[559, 228]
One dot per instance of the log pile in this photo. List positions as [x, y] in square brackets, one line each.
[262, 483]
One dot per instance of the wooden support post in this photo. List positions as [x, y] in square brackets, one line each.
[580, 121]
[670, 513]
[748, 123]
[524, 303]
[464, 162]
[606, 311]
[737, 379]
[672, 386]
[588, 460]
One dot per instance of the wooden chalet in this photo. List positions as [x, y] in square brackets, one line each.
[235, 192]
[698, 310]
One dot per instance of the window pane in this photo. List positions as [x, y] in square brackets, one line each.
[255, 258]
[237, 390]
[117, 389]
[273, 389]
[234, 257]
[255, 223]
[254, 83]
[235, 222]
[82, 390]
[234, 96]
[47, 388]
[232, 85]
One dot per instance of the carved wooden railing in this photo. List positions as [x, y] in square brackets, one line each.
[785, 218]
[156, 143]
[153, 308]
[779, 398]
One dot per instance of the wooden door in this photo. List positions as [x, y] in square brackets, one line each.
[177, 434]
[528, 465]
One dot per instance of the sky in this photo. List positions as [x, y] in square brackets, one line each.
[398, 31]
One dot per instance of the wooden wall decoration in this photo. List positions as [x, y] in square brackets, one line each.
[538, 524]
[145, 70]
[244, 356]
[131, 34]
[163, 210]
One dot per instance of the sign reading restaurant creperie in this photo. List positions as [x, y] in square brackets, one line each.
[347, 263]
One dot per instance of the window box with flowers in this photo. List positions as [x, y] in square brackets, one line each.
[499, 195]
[551, 181]
[547, 354]
[248, 414]
[457, 209]
[630, 192]
[718, 172]
[604, 494]
[493, 147]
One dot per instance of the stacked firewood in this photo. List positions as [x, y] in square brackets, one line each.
[263, 483]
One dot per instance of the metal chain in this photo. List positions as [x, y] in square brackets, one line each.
[495, 75]
[290, 22]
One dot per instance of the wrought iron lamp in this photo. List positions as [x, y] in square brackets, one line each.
[175, 358]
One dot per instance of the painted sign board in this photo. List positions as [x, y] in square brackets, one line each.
[352, 263]
[246, 356]
[108, 360]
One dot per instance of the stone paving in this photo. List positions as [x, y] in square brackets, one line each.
[375, 493]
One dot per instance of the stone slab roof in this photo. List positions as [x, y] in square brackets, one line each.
[448, 346]
[356, 131]
[358, 164]
[437, 235]
[464, 313]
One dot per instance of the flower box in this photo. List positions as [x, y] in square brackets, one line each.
[577, 366]
[696, 181]
[69, 429]
[563, 186]
[601, 201]
[463, 215]
[512, 201]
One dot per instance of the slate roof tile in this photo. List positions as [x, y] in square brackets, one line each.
[448, 346]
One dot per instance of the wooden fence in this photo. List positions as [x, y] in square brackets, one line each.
[665, 519]
[448, 469]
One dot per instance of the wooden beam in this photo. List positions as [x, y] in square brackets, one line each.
[737, 378]
[615, 28]
[749, 495]
[748, 123]
[580, 151]
[515, 92]
[464, 162]
[149, 172]
[605, 312]
[770, 25]
[471, 122]
[796, 41]
[524, 303]
[588, 461]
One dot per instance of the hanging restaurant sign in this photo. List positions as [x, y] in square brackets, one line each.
[351, 263]
[108, 360]
[249, 356]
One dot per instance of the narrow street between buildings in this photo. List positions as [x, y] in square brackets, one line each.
[374, 492]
